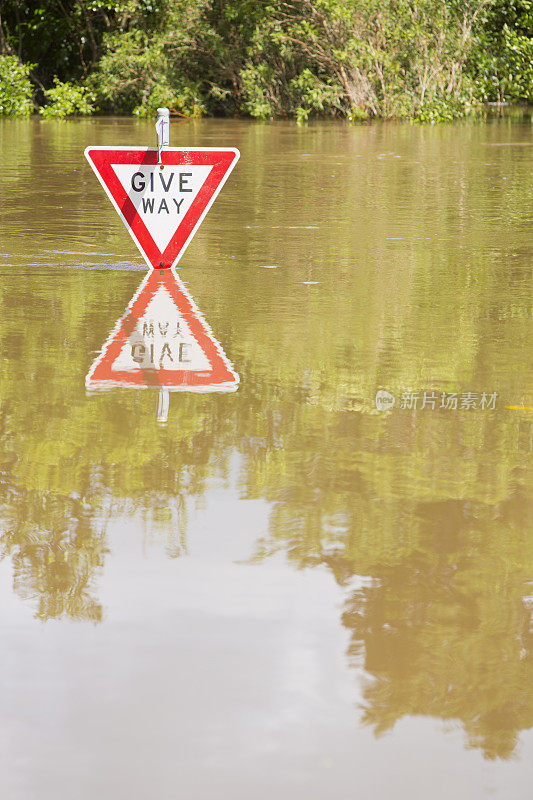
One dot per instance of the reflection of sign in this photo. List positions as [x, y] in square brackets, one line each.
[163, 341]
[162, 205]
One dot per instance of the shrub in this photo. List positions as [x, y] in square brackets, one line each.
[68, 98]
[502, 58]
[429, 60]
[15, 88]
[185, 99]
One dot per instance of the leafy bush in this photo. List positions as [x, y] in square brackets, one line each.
[445, 110]
[133, 64]
[15, 87]
[66, 99]
[502, 58]
[185, 99]
[257, 89]
[360, 58]
[167, 65]
[315, 94]
[429, 60]
[290, 67]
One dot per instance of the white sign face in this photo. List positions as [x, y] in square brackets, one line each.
[161, 339]
[162, 197]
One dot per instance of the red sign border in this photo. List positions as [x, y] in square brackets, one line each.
[222, 159]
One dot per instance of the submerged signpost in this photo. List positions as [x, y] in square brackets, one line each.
[162, 195]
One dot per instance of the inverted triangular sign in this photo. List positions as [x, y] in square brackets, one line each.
[162, 205]
[162, 340]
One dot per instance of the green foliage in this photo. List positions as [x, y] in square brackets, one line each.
[129, 70]
[184, 100]
[66, 99]
[502, 65]
[361, 58]
[440, 110]
[256, 82]
[15, 88]
[356, 114]
[285, 72]
[63, 38]
[141, 70]
[315, 95]
[430, 60]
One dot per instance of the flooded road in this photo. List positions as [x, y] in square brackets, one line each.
[303, 588]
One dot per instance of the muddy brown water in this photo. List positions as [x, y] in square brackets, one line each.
[286, 591]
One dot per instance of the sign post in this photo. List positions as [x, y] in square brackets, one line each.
[163, 402]
[162, 127]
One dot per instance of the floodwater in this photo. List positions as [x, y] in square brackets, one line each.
[285, 591]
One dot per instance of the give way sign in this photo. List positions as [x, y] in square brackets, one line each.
[162, 205]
